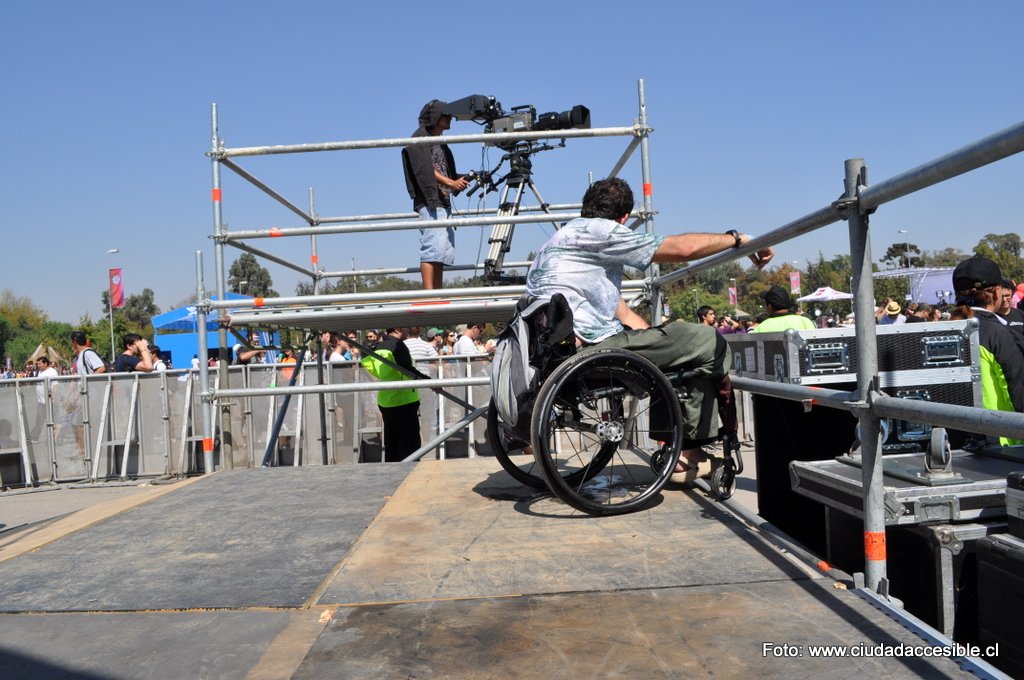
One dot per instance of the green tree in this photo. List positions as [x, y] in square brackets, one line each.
[54, 334]
[947, 257]
[256, 278]
[903, 254]
[1004, 250]
[20, 313]
[5, 335]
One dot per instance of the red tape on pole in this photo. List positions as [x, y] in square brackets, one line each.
[259, 302]
[275, 232]
[207, 444]
[216, 194]
[874, 545]
[315, 259]
[648, 189]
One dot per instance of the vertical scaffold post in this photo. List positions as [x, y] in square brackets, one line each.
[867, 378]
[223, 353]
[204, 370]
[314, 265]
[648, 193]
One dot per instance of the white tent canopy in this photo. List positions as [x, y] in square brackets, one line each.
[825, 294]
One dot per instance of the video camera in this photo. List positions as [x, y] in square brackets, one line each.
[487, 111]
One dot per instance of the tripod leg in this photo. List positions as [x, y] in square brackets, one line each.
[501, 234]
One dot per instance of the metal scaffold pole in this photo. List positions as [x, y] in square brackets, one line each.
[867, 377]
[204, 371]
[648, 193]
[223, 354]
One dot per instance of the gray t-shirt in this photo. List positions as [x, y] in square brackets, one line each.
[584, 261]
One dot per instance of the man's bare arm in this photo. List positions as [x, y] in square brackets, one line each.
[629, 318]
[686, 247]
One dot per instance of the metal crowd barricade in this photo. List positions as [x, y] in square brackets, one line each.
[99, 427]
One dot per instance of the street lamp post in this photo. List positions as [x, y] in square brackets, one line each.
[110, 309]
[735, 299]
[906, 244]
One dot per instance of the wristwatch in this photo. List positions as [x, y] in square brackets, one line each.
[736, 235]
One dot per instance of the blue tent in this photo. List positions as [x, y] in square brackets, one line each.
[177, 332]
[185, 318]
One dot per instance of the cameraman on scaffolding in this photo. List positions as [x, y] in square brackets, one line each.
[431, 179]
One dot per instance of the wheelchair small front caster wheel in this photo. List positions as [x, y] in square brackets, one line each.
[722, 483]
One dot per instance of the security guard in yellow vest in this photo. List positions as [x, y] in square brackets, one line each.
[399, 409]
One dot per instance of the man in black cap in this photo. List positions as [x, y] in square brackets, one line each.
[780, 318]
[431, 178]
[978, 285]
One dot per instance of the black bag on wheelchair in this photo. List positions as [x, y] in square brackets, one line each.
[536, 339]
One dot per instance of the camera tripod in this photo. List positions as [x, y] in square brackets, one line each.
[514, 185]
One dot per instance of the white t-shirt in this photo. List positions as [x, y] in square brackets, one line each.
[50, 372]
[420, 349]
[584, 261]
[464, 345]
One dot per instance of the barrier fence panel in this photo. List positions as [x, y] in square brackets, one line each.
[71, 460]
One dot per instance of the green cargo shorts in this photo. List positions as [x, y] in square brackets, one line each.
[693, 347]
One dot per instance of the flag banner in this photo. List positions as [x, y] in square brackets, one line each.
[116, 289]
[794, 282]
[732, 296]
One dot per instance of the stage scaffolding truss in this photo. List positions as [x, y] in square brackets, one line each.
[319, 312]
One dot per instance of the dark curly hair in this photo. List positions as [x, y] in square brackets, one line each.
[607, 198]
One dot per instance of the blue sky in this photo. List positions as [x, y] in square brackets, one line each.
[106, 119]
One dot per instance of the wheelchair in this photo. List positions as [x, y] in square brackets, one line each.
[606, 432]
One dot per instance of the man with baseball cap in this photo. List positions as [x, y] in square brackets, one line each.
[978, 285]
[780, 316]
[431, 178]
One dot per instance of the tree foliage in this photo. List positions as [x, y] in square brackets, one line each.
[947, 257]
[1004, 250]
[257, 281]
[903, 254]
[20, 313]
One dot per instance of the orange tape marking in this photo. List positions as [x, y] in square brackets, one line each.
[315, 259]
[874, 545]
[648, 189]
[275, 232]
[258, 302]
[207, 444]
[216, 194]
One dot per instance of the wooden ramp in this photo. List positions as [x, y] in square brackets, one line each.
[436, 569]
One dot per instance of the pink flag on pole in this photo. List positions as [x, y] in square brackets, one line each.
[116, 288]
[794, 282]
[732, 296]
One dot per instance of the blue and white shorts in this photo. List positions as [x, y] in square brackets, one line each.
[437, 245]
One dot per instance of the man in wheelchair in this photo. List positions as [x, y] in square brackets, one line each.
[584, 261]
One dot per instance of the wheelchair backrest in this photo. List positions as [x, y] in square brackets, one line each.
[538, 338]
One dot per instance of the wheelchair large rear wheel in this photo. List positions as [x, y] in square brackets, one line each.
[514, 456]
[512, 452]
[600, 420]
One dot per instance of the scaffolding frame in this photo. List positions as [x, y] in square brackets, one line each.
[857, 202]
[326, 312]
